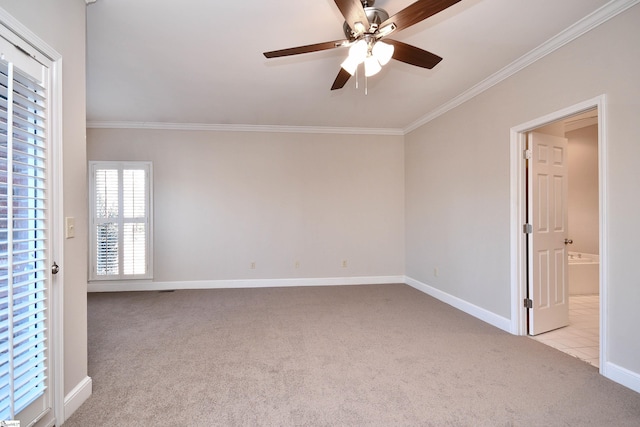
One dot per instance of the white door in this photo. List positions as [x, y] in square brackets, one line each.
[548, 187]
[25, 238]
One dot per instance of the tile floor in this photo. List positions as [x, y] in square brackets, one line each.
[582, 337]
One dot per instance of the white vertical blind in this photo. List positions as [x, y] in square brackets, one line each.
[121, 205]
[24, 278]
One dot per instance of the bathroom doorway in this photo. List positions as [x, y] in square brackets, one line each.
[579, 335]
[585, 236]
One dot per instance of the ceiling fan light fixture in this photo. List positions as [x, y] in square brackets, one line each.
[371, 66]
[350, 65]
[358, 51]
[383, 52]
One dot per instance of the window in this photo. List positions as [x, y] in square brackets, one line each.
[121, 220]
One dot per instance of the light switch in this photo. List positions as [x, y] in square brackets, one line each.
[69, 227]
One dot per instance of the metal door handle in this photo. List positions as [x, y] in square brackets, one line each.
[55, 268]
[568, 241]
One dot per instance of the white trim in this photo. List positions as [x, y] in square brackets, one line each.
[586, 24]
[76, 397]
[621, 375]
[57, 208]
[517, 205]
[244, 128]
[603, 185]
[142, 285]
[29, 36]
[462, 305]
[517, 240]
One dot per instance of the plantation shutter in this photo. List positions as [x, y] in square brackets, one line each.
[24, 240]
[121, 205]
[107, 209]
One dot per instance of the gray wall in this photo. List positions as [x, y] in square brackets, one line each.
[61, 24]
[223, 200]
[457, 177]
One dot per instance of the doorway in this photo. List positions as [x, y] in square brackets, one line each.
[31, 388]
[581, 311]
[576, 330]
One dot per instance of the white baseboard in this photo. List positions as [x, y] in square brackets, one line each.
[462, 305]
[622, 376]
[77, 396]
[235, 284]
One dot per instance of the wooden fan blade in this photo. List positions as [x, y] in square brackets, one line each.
[341, 79]
[306, 49]
[413, 55]
[353, 12]
[418, 11]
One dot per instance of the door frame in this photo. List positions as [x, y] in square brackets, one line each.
[56, 201]
[518, 195]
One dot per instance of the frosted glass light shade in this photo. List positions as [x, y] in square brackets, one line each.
[358, 51]
[371, 66]
[350, 65]
[383, 52]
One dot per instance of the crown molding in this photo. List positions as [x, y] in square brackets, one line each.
[244, 128]
[600, 16]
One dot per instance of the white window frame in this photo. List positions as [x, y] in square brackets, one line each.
[120, 166]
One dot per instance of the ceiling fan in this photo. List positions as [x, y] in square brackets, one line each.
[365, 26]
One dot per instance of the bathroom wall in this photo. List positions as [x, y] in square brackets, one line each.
[583, 189]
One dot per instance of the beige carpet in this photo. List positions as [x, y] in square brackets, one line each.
[379, 355]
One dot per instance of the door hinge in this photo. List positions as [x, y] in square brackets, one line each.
[527, 154]
[527, 228]
[528, 303]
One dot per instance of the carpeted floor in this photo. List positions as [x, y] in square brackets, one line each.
[379, 355]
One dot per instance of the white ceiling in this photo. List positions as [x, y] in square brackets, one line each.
[201, 62]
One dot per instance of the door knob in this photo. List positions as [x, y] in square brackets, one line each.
[568, 241]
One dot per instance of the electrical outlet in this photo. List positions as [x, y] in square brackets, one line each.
[297, 264]
[344, 263]
[435, 272]
[253, 265]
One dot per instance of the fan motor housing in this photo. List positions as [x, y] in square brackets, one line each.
[375, 16]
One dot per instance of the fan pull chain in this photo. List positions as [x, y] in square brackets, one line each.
[366, 86]
[357, 77]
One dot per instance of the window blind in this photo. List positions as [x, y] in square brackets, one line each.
[23, 240]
